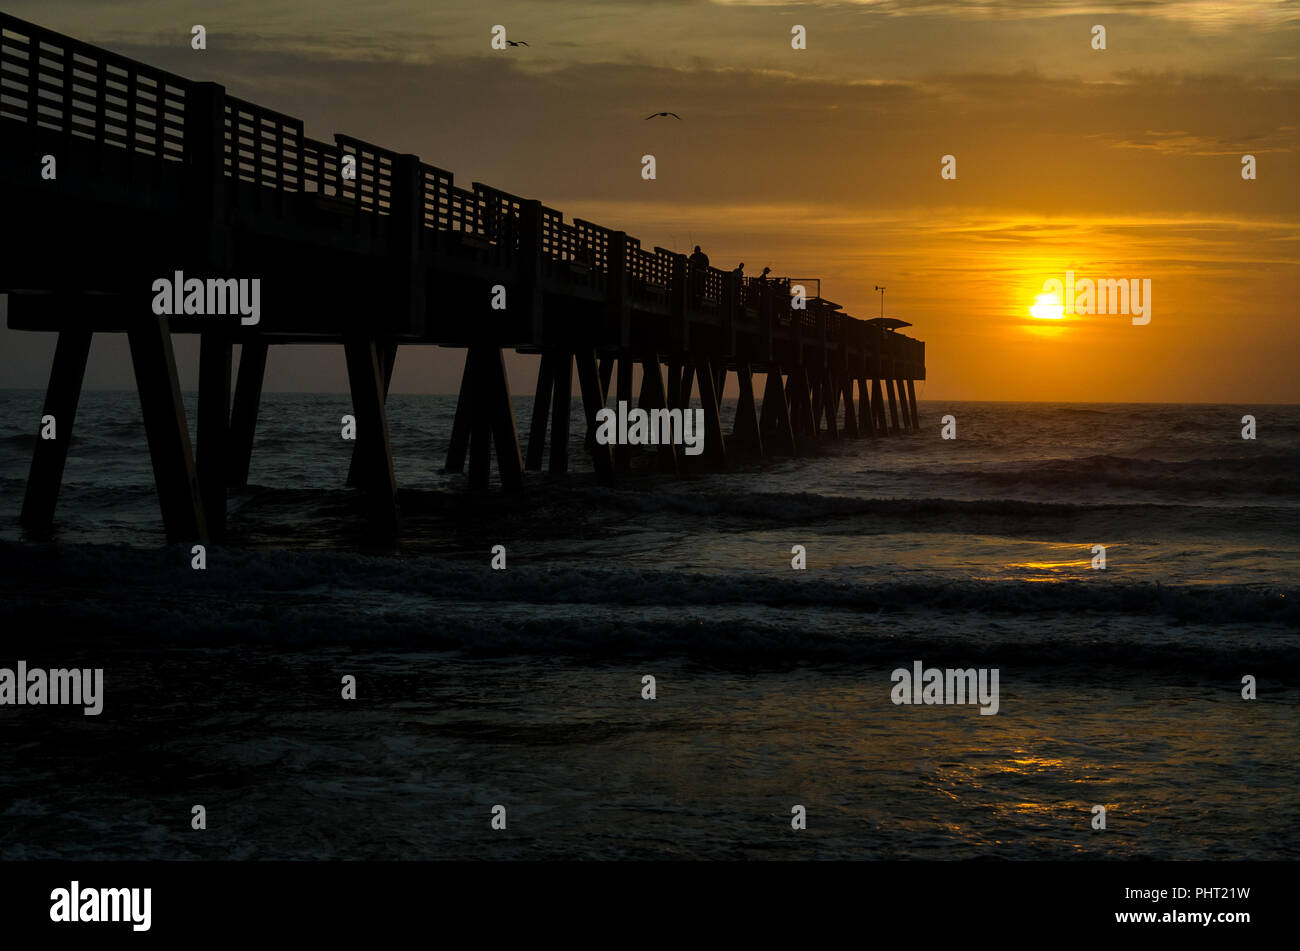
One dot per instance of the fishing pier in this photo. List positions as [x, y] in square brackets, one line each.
[354, 245]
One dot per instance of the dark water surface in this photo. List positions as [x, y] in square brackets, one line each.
[523, 687]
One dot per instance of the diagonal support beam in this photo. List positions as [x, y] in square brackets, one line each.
[850, 417]
[50, 455]
[460, 425]
[167, 430]
[388, 353]
[501, 419]
[365, 377]
[746, 428]
[781, 438]
[243, 415]
[715, 443]
[655, 396]
[215, 359]
[622, 452]
[541, 404]
[561, 407]
[589, 383]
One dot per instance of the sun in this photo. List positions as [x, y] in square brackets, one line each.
[1046, 307]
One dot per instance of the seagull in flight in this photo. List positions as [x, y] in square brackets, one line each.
[516, 43]
[664, 114]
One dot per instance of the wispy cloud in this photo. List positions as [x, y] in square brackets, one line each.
[1281, 138]
[1206, 13]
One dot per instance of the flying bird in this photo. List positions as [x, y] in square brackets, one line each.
[664, 114]
[516, 43]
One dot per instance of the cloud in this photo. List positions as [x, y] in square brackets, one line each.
[1203, 13]
[1281, 138]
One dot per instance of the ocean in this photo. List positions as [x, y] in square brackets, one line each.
[524, 687]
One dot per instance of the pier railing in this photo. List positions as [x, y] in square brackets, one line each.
[63, 85]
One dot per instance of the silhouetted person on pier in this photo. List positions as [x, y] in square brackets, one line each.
[762, 278]
[699, 265]
[740, 271]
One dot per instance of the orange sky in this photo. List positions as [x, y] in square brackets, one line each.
[1123, 163]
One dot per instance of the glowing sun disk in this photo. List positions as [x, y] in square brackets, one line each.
[1047, 307]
